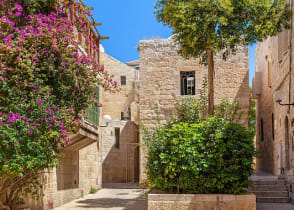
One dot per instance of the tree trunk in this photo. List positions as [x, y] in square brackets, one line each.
[210, 81]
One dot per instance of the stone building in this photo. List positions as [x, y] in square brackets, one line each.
[81, 168]
[119, 138]
[275, 123]
[166, 78]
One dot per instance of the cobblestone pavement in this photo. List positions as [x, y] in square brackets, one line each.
[274, 206]
[114, 197]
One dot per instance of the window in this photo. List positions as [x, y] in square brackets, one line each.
[273, 126]
[123, 80]
[117, 135]
[261, 130]
[188, 83]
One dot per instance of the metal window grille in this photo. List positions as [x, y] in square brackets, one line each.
[188, 83]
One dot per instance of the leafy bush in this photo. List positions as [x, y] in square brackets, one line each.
[211, 156]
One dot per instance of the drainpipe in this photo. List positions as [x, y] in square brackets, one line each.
[290, 54]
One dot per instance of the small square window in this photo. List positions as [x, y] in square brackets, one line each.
[123, 80]
[188, 83]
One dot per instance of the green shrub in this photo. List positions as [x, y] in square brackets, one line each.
[93, 190]
[209, 156]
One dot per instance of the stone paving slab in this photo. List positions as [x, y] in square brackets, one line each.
[274, 206]
[114, 197]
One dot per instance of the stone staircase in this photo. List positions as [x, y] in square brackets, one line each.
[270, 190]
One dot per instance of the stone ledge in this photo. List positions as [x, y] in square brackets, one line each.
[201, 202]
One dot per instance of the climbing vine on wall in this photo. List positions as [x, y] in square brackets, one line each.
[45, 86]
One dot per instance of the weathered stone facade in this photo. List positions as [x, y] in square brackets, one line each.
[116, 103]
[201, 202]
[120, 161]
[275, 123]
[160, 86]
[77, 173]
[120, 153]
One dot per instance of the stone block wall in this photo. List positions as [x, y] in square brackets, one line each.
[160, 67]
[120, 164]
[274, 61]
[115, 103]
[71, 180]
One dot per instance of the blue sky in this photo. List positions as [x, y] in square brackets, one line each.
[128, 21]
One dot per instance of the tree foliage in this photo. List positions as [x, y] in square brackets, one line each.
[46, 84]
[205, 27]
[221, 25]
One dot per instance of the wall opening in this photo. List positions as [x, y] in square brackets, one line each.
[117, 137]
[261, 130]
[187, 83]
[123, 80]
[67, 173]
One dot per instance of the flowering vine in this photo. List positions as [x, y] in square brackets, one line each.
[46, 84]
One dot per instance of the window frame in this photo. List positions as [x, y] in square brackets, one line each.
[123, 80]
[185, 77]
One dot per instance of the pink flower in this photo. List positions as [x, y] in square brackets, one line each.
[40, 101]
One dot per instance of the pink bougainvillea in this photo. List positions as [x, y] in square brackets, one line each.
[46, 83]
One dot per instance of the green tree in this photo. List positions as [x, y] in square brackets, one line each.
[205, 27]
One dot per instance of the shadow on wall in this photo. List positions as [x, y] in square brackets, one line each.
[243, 97]
[121, 164]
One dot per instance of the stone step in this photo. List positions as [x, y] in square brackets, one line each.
[273, 199]
[271, 193]
[275, 187]
[270, 182]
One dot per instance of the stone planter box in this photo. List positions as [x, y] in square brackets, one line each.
[201, 202]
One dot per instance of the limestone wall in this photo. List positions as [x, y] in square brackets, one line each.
[273, 60]
[120, 164]
[115, 103]
[201, 201]
[75, 176]
[160, 67]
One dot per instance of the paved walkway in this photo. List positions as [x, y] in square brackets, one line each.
[114, 197]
